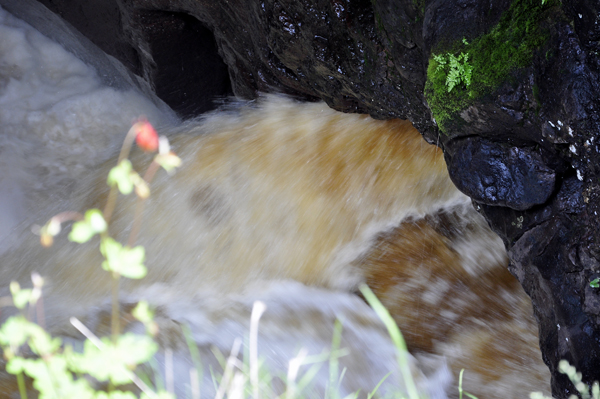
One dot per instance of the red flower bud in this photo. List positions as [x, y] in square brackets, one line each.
[145, 136]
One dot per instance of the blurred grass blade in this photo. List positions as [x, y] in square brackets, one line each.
[397, 338]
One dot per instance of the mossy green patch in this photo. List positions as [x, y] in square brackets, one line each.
[508, 46]
[420, 6]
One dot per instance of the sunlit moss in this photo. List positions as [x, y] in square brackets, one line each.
[508, 46]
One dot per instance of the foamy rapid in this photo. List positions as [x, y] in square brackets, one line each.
[58, 124]
[291, 204]
[57, 121]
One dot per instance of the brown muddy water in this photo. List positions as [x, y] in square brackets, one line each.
[288, 203]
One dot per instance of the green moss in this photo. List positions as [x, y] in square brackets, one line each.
[508, 46]
[419, 5]
[536, 97]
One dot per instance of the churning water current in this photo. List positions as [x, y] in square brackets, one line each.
[291, 204]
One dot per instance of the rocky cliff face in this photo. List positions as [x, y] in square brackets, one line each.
[509, 90]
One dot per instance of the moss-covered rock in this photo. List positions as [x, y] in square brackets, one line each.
[492, 57]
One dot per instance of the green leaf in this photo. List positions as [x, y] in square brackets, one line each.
[114, 362]
[53, 379]
[128, 262]
[81, 232]
[121, 176]
[459, 69]
[110, 249]
[168, 161]
[136, 349]
[132, 261]
[14, 332]
[441, 60]
[100, 364]
[17, 330]
[142, 312]
[15, 287]
[15, 365]
[36, 369]
[41, 342]
[22, 298]
[595, 283]
[96, 220]
[93, 223]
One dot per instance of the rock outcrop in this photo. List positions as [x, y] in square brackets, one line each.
[509, 90]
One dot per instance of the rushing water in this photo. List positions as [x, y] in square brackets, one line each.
[291, 204]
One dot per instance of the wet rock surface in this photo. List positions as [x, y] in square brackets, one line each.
[509, 89]
[509, 176]
[172, 50]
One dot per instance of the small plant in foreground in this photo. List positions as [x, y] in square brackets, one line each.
[397, 338]
[60, 372]
[57, 370]
[400, 344]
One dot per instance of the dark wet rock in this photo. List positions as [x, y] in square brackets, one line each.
[508, 176]
[189, 75]
[173, 51]
[518, 117]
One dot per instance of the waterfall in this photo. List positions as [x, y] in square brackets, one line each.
[290, 203]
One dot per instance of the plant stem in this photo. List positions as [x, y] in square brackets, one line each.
[128, 142]
[228, 369]
[333, 389]
[115, 308]
[112, 195]
[108, 211]
[21, 383]
[86, 332]
[110, 204]
[397, 339]
[257, 310]
[68, 216]
[151, 171]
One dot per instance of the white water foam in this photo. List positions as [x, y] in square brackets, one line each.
[57, 121]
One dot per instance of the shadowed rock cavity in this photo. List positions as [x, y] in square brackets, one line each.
[182, 61]
[173, 51]
[519, 126]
